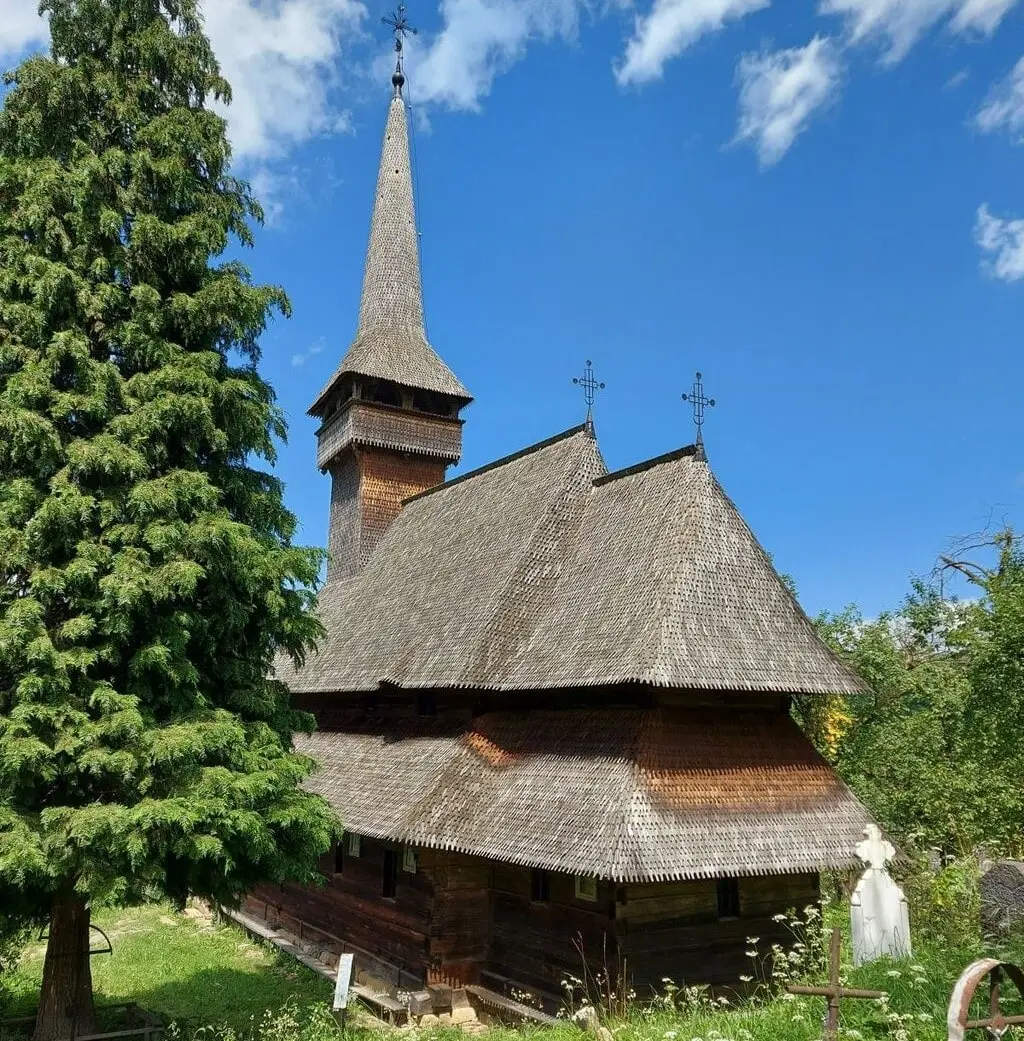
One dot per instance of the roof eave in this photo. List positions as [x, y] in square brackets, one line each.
[448, 683]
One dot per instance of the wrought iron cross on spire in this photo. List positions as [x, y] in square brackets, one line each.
[401, 29]
[699, 402]
[590, 387]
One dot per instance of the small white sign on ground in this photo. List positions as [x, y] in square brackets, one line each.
[879, 916]
[344, 981]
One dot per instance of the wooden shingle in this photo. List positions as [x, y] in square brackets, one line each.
[542, 571]
[629, 796]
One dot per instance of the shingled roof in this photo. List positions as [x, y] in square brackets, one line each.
[542, 571]
[391, 341]
[631, 796]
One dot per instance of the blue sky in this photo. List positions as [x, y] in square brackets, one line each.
[820, 207]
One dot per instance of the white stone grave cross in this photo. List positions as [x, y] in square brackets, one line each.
[878, 908]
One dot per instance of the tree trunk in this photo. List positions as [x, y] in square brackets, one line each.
[65, 1004]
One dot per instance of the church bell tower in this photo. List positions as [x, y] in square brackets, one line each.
[389, 416]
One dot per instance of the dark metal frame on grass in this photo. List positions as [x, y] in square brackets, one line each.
[150, 1028]
[996, 1025]
[835, 992]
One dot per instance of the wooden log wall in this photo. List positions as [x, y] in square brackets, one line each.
[460, 924]
[462, 919]
[350, 908]
[537, 945]
[672, 929]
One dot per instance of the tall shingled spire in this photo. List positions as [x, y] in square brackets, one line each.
[390, 412]
[391, 340]
[392, 295]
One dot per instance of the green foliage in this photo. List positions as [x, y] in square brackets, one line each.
[185, 968]
[147, 570]
[932, 747]
[946, 903]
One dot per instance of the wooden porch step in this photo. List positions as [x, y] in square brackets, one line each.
[391, 1006]
[498, 1002]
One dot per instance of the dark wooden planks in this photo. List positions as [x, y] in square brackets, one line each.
[672, 929]
[351, 907]
[460, 923]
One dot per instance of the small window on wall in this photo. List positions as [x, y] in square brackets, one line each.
[586, 888]
[389, 873]
[540, 887]
[728, 898]
[339, 858]
[409, 860]
[353, 846]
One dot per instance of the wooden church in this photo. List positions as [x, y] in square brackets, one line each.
[553, 701]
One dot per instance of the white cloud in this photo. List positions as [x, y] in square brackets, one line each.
[1003, 109]
[781, 90]
[272, 186]
[1002, 240]
[669, 28]
[480, 40]
[902, 22]
[279, 56]
[20, 26]
[979, 16]
[302, 357]
[280, 61]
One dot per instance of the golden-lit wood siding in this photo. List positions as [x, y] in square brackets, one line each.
[368, 488]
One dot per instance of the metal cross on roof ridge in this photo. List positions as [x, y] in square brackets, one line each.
[591, 385]
[699, 402]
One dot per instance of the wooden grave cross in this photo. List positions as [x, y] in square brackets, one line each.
[835, 992]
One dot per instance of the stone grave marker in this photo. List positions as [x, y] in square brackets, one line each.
[1002, 896]
[879, 916]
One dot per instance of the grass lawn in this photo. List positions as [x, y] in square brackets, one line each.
[183, 967]
[219, 986]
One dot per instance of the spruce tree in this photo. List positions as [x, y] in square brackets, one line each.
[148, 575]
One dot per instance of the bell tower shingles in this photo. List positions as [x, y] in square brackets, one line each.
[392, 295]
[389, 414]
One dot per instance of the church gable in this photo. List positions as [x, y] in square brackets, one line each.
[669, 586]
[423, 610]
